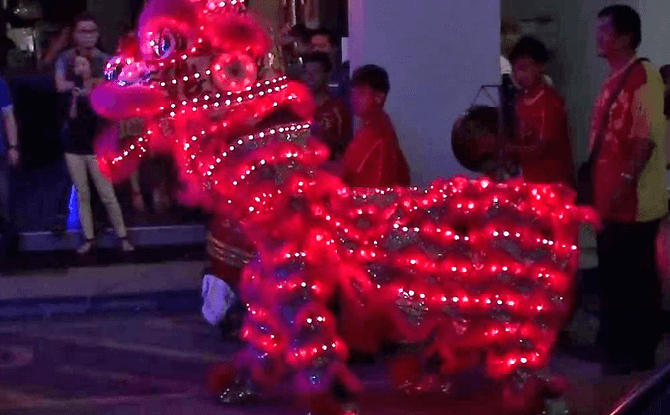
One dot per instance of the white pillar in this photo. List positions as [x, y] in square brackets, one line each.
[438, 54]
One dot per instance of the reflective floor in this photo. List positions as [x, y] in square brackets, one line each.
[155, 364]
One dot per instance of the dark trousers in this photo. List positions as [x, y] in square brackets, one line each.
[631, 321]
[6, 211]
[8, 232]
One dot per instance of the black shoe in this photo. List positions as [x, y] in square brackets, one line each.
[645, 363]
[231, 326]
[617, 369]
[14, 245]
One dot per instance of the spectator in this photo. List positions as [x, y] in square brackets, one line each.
[629, 194]
[332, 121]
[78, 70]
[294, 43]
[9, 158]
[374, 158]
[322, 40]
[542, 146]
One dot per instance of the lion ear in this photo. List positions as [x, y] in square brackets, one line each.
[178, 17]
[233, 32]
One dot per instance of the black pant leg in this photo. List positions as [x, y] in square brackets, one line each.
[648, 318]
[631, 313]
[611, 271]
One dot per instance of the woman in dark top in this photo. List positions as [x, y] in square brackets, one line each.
[78, 71]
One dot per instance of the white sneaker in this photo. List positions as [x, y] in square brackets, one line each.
[86, 247]
[126, 246]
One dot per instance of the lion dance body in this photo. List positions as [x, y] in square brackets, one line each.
[472, 273]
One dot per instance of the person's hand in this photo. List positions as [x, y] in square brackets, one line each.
[13, 156]
[82, 67]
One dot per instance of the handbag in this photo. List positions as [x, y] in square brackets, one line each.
[585, 172]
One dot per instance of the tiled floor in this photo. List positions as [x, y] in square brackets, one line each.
[144, 364]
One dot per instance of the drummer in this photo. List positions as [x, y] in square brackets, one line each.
[542, 142]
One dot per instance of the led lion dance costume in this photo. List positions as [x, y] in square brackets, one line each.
[474, 274]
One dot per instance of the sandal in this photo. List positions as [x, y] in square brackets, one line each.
[126, 246]
[86, 247]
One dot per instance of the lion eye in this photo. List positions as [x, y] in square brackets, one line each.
[165, 44]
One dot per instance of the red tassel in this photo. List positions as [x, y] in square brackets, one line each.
[220, 377]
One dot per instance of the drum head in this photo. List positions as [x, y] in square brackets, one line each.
[474, 137]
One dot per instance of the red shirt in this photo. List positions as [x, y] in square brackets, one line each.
[332, 124]
[543, 123]
[637, 114]
[374, 157]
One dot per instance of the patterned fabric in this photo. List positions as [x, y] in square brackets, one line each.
[374, 158]
[228, 249]
[637, 114]
[543, 123]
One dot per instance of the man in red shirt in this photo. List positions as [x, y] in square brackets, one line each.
[374, 157]
[542, 145]
[629, 193]
[332, 121]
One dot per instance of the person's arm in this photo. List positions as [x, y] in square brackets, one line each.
[12, 133]
[55, 48]
[62, 84]
[11, 129]
[641, 146]
[552, 123]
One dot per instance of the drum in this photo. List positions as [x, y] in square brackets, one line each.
[474, 139]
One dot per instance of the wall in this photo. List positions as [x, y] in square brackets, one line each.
[438, 54]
